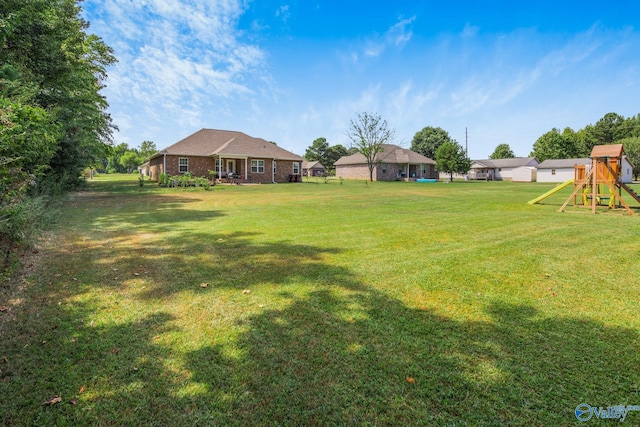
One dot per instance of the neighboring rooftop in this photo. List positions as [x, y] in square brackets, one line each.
[391, 154]
[563, 163]
[515, 162]
[213, 142]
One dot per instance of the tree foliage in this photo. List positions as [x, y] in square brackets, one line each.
[632, 151]
[147, 149]
[321, 151]
[610, 129]
[54, 119]
[502, 151]
[427, 141]
[46, 43]
[554, 145]
[317, 152]
[451, 158]
[368, 133]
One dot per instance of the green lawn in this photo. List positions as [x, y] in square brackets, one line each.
[323, 304]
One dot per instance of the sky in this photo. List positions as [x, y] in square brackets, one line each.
[292, 71]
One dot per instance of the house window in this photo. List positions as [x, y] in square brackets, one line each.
[384, 168]
[257, 166]
[183, 166]
[274, 167]
[553, 171]
[296, 168]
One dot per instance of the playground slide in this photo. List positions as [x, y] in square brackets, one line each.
[631, 192]
[550, 192]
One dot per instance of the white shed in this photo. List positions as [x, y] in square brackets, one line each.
[524, 174]
[561, 170]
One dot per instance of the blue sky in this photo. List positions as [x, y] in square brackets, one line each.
[293, 71]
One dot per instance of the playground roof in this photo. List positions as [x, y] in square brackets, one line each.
[611, 150]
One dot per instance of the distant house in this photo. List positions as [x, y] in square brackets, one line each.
[144, 169]
[561, 170]
[392, 164]
[227, 153]
[312, 168]
[499, 169]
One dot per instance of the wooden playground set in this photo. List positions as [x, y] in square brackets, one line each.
[598, 184]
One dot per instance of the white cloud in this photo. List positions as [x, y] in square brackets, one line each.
[283, 13]
[469, 30]
[399, 34]
[175, 57]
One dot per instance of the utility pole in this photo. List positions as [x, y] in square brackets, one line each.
[466, 142]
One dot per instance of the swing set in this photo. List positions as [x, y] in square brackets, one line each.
[598, 184]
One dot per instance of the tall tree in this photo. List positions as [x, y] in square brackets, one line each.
[147, 149]
[610, 128]
[368, 133]
[502, 151]
[427, 141]
[321, 151]
[317, 151]
[46, 42]
[334, 153]
[451, 158]
[130, 160]
[553, 145]
[632, 151]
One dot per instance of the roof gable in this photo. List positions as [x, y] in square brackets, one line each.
[610, 150]
[563, 163]
[214, 142]
[391, 154]
[311, 165]
[515, 162]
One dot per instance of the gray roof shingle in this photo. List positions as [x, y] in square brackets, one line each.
[515, 162]
[563, 163]
[213, 142]
[392, 154]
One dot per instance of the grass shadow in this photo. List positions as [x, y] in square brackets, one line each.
[370, 359]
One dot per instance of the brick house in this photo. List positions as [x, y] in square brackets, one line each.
[227, 152]
[392, 164]
[312, 168]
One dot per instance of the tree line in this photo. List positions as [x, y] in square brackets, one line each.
[367, 132]
[612, 128]
[123, 159]
[53, 118]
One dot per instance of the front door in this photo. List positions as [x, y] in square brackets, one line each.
[231, 166]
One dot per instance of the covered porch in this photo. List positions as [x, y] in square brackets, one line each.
[411, 172]
[228, 169]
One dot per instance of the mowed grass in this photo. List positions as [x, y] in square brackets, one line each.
[323, 304]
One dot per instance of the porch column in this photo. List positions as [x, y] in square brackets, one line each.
[246, 169]
[273, 174]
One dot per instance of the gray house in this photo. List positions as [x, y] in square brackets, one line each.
[499, 169]
[314, 168]
[392, 164]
